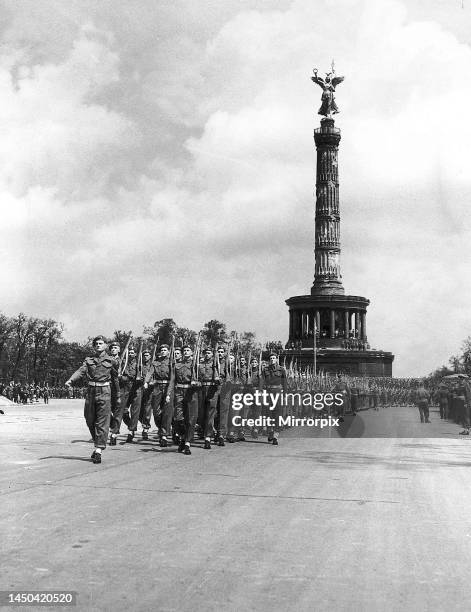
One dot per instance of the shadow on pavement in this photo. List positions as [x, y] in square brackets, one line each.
[88, 459]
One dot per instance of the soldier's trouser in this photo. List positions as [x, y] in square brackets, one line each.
[134, 402]
[117, 407]
[146, 408]
[275, 414]
[223, 408]
[162, 410]
[208, 404]
[235, 429]
[186, 411]
[466, 415]
[444, 408]
[97, 412]
[422, 405]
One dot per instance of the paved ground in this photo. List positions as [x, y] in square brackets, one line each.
[375, 516]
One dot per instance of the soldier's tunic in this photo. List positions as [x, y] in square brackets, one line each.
[146, 401]
[208, 395]
[161, 377]
[131, 383]
[101, 374]
[186, 400]
[274, 381]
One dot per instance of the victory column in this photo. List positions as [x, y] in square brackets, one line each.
[328, 322]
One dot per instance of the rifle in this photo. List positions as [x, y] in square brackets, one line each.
[154, 352]
[216, 364]
[139, 361]
[195, 360]
[124, 357]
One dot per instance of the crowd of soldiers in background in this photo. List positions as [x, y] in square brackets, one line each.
[453, 396]
[30, 393]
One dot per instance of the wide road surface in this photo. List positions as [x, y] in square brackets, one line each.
[375, 516]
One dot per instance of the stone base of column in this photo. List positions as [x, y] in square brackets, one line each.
[327, 288]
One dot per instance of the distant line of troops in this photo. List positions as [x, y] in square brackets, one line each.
[455, 402]
[169, 390]
[23, 393]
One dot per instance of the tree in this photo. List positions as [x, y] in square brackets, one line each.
[162, 331]
[23, 331]
[214, 331]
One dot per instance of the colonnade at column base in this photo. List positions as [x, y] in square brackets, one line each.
[369, 363]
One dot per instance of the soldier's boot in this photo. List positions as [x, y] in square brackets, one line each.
[207, 444]
[130, 437]
[186, 449]
[113, 439]
[145, 434]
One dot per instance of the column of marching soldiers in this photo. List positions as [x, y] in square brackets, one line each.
[187, 390]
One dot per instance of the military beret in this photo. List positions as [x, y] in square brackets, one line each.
[97, 338]
[115, 344]
[146, 352]
[187, 346]
[272, 354]
[165, 346]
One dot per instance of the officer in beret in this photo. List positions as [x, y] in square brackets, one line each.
[101, 373]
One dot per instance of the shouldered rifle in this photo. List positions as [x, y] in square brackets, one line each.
[123, 360]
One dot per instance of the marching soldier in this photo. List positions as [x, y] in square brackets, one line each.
[224, 398]
[254, 382]
[186, 400]
[116, 405]
[274, 380]
[422, 399]
[209, 394]
[131, 381]
[146, 401]
[102, 374]
[159, 379]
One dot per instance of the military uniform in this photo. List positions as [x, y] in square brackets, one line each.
[146, 401]
[102, 374]
[422, 398]
[274, 381]
[186, 402]
[224, 402]
[161, 380]
[208, 397]
[131, 382]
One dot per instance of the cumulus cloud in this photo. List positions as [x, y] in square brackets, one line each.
[155, 171]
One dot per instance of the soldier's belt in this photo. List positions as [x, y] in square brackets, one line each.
[212, 383]
[181, 386]
[98, 384]
[161, 382]
[274, 387]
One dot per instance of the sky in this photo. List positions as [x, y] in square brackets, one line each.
[157, 160]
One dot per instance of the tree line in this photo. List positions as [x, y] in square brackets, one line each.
[457, 364]
[33, 350]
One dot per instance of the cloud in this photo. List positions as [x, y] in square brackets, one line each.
[168, 170]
